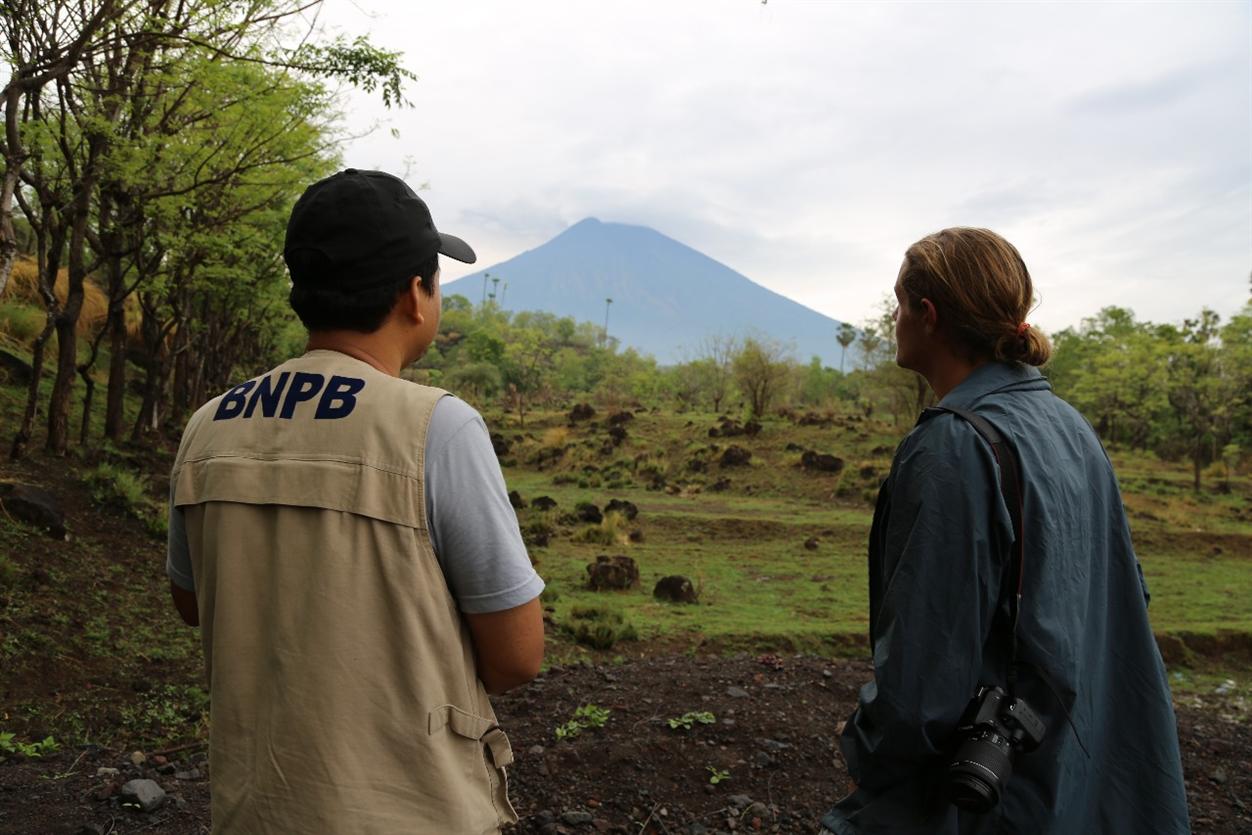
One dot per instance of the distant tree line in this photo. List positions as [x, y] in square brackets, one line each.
[1181, 391]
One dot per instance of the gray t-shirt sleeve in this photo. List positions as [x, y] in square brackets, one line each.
[473, 528]
[177, 552]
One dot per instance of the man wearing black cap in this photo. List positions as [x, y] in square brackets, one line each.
[344, 539]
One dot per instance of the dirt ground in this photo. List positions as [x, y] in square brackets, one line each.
[772, 743]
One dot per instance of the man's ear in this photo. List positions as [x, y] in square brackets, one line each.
[930, 316]
[411, 301]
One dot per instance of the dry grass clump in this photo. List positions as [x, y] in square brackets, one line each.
[23, 287]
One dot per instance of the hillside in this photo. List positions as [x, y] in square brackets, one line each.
[667, 297]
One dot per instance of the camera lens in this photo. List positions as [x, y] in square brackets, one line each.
[978, 772]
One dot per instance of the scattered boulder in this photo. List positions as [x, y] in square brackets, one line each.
[675, 588]
[142, 795]
[589, 513]
[792, 446]
[549, 455]
[620, 418]
[515, 499]
[868, 472]
[543, 503]
[814, 419]
[721, 485]
[14, 369]
[582, 411]
[618, 572]
[537, 534]
[810, 544]
[752, 428]
[821, 462]
[636, 535]
[34, 506]
[622, 506]
[577, 817]
[617, 434]
[500, 444]
[697, 465]
[735, 456]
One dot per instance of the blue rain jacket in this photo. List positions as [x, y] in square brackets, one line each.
[939, 549]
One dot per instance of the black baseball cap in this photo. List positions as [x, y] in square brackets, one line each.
[363, 229]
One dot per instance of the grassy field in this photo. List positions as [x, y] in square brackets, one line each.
[744, 547]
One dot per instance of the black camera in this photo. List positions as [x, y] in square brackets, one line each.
[994, 729]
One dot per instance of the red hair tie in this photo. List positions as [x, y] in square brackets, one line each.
[1022, 328]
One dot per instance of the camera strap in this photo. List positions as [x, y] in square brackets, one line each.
[1011, 490]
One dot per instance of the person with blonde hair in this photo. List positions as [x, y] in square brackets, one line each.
[1017, 684]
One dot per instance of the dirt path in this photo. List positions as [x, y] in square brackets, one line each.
[772, 742]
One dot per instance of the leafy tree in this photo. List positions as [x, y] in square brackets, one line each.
[761, 369]
[846, 336]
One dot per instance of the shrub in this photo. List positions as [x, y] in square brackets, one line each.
[8, 572]
[598, 627]
[21, 323]
[127, 492]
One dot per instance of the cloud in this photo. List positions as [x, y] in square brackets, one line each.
[806, 145]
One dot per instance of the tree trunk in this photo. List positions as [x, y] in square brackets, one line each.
[22, 438]
[115, 399]
[67, 331]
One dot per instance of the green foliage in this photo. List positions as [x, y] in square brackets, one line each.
[11, 745]
[717, 775]
[8, 572]
[116, 488]
[1180, 391]
[587, 717]
[599, 627]
[761, 369]
[21, 323]
[688, 720]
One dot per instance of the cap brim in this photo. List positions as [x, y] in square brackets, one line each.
[454, 247]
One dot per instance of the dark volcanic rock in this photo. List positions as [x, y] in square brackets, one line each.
[589, 513]
[500, 444]
[620, 418]
[622, 506]
[14, 369]
[735, 456]
[582, 411]
[515, 499]
[675, 588]
[821, 462]
[811, 543]
[619, 572]
[617, 434]
[543, 503]
[34, 506]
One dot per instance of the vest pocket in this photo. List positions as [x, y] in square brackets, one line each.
[495, 753]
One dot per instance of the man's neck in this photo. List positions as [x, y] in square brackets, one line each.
[950, 372]
[382, 354]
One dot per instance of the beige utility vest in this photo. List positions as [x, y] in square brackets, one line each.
[345, 698]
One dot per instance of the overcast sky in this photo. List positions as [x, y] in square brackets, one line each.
[807, 144]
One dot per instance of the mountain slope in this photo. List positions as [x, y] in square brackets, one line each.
[667, 297]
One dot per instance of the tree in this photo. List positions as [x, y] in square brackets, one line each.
[846, 336]
[761, 368]
[719, 352]
[98, 85]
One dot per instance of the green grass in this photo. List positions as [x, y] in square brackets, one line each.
[743, 548]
